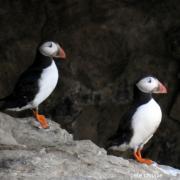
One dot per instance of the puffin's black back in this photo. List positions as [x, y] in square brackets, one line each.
[125, 131]
[27, 85]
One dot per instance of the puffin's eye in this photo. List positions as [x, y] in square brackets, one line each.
[50, 45]
[149, 81]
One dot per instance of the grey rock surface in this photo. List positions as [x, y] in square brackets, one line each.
[29, 153]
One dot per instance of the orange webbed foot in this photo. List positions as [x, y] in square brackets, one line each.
[148, 161]
[42, 120]
[139, 158]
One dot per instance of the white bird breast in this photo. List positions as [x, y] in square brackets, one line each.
[144, 123]
[47, 84]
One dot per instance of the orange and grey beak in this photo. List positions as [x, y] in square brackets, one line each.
[161, 89]
[60, 54]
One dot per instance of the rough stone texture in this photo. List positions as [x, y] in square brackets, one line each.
[28, 153]
[109, 44]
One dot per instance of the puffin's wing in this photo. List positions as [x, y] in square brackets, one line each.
[25, 89]
[124, 131]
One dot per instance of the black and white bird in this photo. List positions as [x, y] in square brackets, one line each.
[36, 83]
[142, 119]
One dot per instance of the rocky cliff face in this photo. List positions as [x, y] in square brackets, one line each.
[29, 153]
[109, 44]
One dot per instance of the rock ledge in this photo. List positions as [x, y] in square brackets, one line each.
[29, 153]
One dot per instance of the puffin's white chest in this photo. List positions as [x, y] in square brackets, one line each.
[47, 84]
[145, 122]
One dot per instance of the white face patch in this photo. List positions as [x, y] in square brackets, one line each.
[147, 84]
[49, 48]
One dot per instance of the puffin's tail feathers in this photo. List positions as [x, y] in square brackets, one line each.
[112, 142]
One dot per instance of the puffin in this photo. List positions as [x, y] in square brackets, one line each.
[36, 83]
[141, 120]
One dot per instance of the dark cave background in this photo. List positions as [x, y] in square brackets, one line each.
[109, 44]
